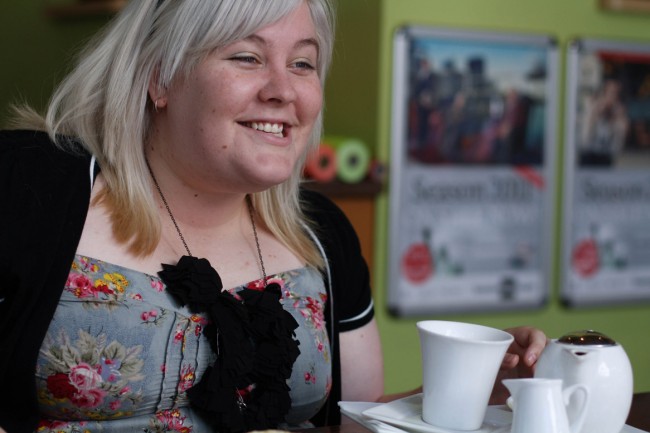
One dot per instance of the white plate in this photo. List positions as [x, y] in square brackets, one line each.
[406, 414]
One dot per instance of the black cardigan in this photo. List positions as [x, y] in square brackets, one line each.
[45, 195]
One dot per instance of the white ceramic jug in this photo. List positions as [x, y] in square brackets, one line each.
[595, 360]
[539, 406]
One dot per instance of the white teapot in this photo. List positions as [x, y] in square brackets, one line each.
[595, 360]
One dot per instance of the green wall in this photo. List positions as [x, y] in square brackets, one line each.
[562, 19]
[35, 51]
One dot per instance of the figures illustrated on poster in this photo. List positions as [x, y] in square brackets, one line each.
[472, 103]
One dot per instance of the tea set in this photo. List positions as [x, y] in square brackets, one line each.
[582, 382]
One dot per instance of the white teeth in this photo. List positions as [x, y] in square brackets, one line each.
[273, 128]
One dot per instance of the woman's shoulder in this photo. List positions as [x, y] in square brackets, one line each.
[32, 147]
[319, 207]
[20, 139]
[32, 165]
[35, 140]
[329, 222]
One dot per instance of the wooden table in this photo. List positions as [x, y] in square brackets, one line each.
[640, 412]
[639, 417]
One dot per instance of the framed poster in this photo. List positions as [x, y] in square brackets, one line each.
[472, 151]
[606, 219]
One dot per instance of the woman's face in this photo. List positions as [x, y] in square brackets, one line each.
[241, 120]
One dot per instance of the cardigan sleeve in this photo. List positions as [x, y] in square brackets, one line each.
[353, 306]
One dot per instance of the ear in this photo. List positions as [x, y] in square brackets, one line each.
[157, 93]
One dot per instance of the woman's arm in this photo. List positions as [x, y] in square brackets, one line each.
[362, 365]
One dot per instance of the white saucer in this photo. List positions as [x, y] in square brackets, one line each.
[406, 413]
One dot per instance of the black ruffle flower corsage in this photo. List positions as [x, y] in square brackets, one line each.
[246, 389]
[193, 282]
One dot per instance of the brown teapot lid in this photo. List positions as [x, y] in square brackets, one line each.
[586, 338]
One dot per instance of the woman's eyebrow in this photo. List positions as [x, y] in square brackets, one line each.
[299, 44]
[307, 42]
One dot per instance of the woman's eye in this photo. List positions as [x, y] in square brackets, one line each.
[303, 64]
[245, 59]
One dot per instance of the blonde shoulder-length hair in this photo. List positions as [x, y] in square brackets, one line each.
[103, 103]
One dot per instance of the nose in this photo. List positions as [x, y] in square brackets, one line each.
[279, 86]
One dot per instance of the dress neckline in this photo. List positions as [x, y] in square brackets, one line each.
[157, 278]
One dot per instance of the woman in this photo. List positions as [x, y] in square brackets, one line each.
[163, 270]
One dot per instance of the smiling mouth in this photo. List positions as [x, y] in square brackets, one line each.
[276, 129]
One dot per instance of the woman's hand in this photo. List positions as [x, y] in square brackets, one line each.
[520, 359]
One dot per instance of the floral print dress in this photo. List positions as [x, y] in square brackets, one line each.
[120, 353]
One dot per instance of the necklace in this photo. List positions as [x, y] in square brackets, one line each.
[250, 333]
[251, 214]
